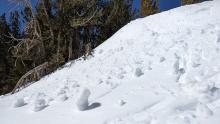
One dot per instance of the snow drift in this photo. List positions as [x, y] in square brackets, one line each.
[163, 69]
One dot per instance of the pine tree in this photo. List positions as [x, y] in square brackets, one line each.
[6, 59]
[58, 31]
[110, 19]
[3, 48]
[185, 2]
[15, 23]
[149, 7]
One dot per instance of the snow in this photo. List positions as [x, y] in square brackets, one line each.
[82, 100]
[19, 102]
[121, 102]
[162, 69]
[203, 110]
[138, 72]
[39, 104]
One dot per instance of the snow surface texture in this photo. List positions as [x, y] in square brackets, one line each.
[163, 69]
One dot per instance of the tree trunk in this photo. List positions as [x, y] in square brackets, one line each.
[58, 48]
[70, 49]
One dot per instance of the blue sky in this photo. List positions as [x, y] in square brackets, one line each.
[164, 4]
[7, 7]
[169, 4]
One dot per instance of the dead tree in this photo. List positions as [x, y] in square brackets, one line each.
[33, 75]
[30, 48]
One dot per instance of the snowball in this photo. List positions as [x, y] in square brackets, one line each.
[19, 103]
[61, 93]
[39, 104]
[138, 72]
[1, 97]
[82, 100]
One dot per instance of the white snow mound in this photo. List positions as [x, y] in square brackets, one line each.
[19, 102]
[162, 69]
[82, 100]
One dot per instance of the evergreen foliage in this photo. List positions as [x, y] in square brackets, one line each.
[185, 2]
[56, 31]
[149, 7]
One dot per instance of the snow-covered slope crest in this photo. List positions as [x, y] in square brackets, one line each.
[163, 69]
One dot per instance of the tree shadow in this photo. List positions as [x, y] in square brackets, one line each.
[94, 105]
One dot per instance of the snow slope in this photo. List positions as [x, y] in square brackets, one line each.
[163, 69]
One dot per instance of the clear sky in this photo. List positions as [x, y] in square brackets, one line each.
[7, 7]
[169, 4]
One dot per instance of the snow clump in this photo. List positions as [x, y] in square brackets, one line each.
[39, 104]
[138, 72]
[19, 103]
[82, 100]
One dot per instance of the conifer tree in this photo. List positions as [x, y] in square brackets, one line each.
[185, 2]
[15, 23]
[57, 31]
[110, 22]
[6, 59]
[3, 49]
[149, 7]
